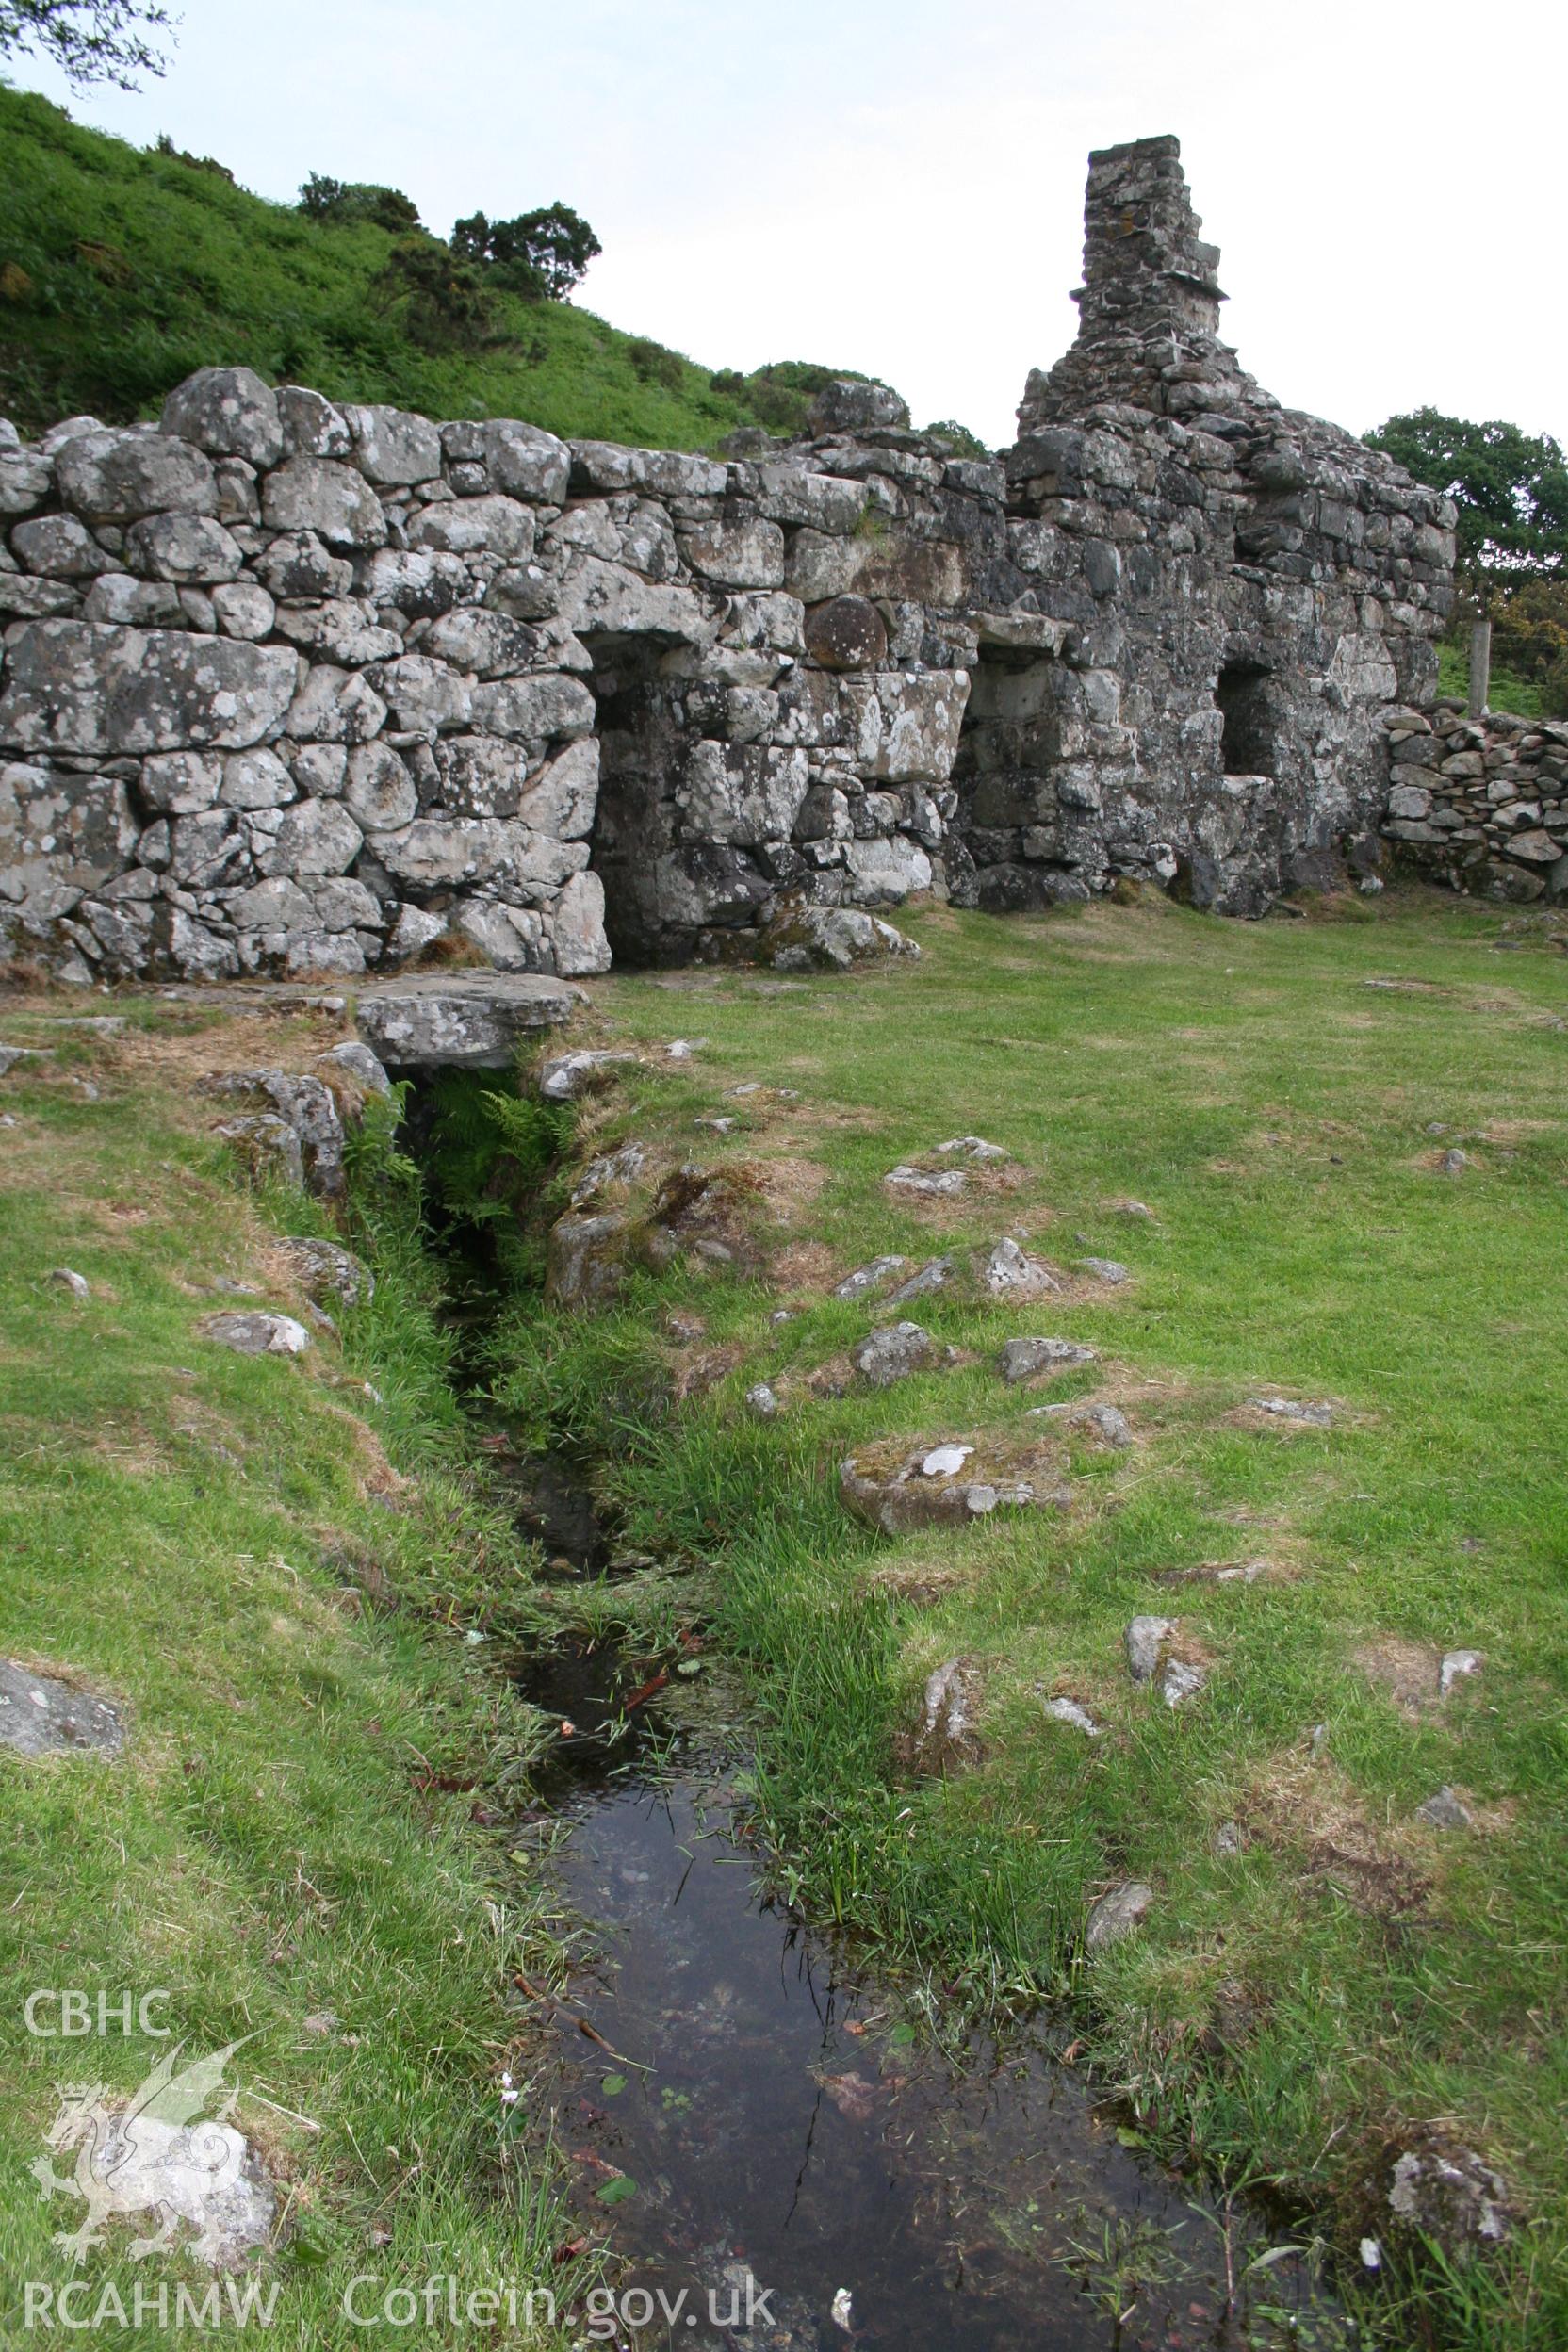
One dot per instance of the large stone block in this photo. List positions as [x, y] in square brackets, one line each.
[59, 836]
[484, 526]
[884, 872]
[742, 793]
[118, 477]
[909, 725]
[544, 704]
[318, 494]
[392, 446]
[465, 1020]
[523, 460]
[746, 554]
[596, 596]
[576, 926]
[88, 688]
[228, 412]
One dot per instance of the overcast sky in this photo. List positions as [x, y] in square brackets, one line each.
[896, 186]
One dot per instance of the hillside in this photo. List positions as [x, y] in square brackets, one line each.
[122, 271]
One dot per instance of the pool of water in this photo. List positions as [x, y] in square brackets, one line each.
[760, 2107]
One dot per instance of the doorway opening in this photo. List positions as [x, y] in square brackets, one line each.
[1248, 732]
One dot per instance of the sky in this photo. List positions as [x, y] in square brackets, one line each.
[896, 186]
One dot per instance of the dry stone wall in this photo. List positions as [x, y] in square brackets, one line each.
[1480, 805]
[292, 687]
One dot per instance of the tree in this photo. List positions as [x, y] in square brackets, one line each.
[539, 254]
[1510, 488]
[325, 198]
[90, 41]
[447, 304]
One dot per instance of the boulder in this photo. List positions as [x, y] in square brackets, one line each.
[228, 412]
[1448, 2193]
[940, 1185]
[492, 525]
[392, 446]
[326, 1270]
[585, 1259]
[357, 1062]
[312, 427]
[116, 477]
[934, 1275]
[305, 1105]
[459, 1020]
[565, 1076]
[945, 1741]
[848, 405]
[1117, 1914]
[521, 459]
[576, 926]
[866, 1279]
[268, 1147]
[1009, 1272]
[802, 938]
[894, 1488]
[894, 1352]
[316, 494]
[41, 1715]
[1317, 1416]
[253, 1334]
[1027, 1359]
[846, 633]
[744, 793]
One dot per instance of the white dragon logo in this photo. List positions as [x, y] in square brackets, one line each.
[159, 2153]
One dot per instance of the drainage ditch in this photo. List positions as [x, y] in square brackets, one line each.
[749, 2110]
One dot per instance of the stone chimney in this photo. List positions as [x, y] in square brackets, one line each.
[1149, 306]
[1145, 269]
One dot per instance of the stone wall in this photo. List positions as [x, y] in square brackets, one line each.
[1229, 592]
[289, 687]
[292, 687]
[1480, 805]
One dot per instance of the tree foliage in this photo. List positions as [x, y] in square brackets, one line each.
[347, 200]
[446, 303]
[1511, 487]
[90, 41]
[542, 254]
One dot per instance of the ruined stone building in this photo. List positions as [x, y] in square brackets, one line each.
[288, 686]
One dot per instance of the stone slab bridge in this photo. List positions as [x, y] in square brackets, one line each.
[291, 687]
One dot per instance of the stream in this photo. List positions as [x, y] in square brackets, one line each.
[761, 2106]
[779, 2151]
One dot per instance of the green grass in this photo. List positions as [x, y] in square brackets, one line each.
[1506, 690]
[122, 271]
[289, 1830]
[1278, 1113]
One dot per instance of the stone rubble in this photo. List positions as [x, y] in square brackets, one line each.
[1117, 1914]
[257, 1334]
[892, 1352]
[868, 1278]
[1009, 1272]
[1024, 1358]
[1069, 1711]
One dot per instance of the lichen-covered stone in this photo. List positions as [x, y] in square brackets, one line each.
[80, 686]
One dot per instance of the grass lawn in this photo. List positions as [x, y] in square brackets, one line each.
[1323, 1980]
[286, 1846]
